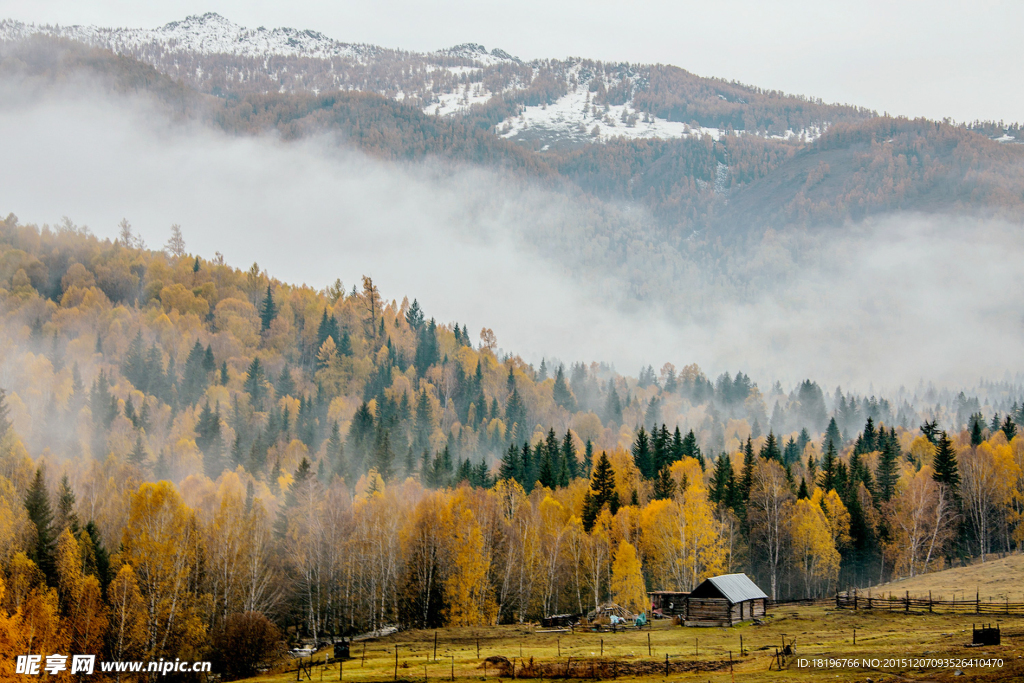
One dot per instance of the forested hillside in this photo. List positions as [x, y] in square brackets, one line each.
[185, 442]
[713, 180]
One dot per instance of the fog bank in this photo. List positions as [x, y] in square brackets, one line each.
[888, 302]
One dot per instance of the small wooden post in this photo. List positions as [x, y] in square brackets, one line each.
[741, 645]
[648, 644]
[513, 667]
[435, 646]
[425, 673]
[731, 673]
[478, 648]
[696, 649]
[602, 647]
[666, 664]
[453, 666]
[907, 604]
[341, 667]
[855, 636]
[363, 662]
[298, 670]
[558, 642]
[854, 599]
[977, 602]
[929, 602]
[396, 662]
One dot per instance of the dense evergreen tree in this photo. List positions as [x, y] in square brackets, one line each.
[944, 464]
[37, 504]
[642, 455]
[268, 310]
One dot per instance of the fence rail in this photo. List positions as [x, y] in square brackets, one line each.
[904, 603]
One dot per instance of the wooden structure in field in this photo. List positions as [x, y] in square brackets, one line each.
[724, 601]
[668, 603]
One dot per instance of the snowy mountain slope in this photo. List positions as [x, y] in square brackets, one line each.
[540, 103]
[207, 34]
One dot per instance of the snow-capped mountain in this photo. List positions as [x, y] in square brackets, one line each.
[207, 35]
[541, 103]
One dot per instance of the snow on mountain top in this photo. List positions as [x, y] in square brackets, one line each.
[478, 53]
[209, 33]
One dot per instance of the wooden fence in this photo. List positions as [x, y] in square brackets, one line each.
[904, 603]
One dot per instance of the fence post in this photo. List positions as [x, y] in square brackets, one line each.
[741, 645]
[666, 664]
[907, 607]
[648, 644]
[977, 602]
[854, 599]
[435, 646]
[396, 661]
[602, 647]
[929, 602]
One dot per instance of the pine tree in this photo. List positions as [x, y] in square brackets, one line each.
[601, 492]
[588, 458]
[802, 492]
[664, 486]
[37, 504]
[255, 382]
[547, 477]
[383, 457]
[977, 435]
[721, 480]
[511, 466]
[569, 461]
[642, 455]
[770, 449]
[747, 478]
[944, 464]
[887, 474]
[66, 517]
[1009, 428]
[829, 475]
[268, 310]
[138, 455]
[561, 394]
[832, 436]
[613, 406]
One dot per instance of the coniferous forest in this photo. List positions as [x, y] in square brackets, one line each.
[190, 448]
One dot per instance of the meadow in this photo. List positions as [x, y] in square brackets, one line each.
[814, 632]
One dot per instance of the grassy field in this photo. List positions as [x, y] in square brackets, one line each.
[995, 580]
[695, 654]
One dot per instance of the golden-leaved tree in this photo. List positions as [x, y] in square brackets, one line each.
[627, 584]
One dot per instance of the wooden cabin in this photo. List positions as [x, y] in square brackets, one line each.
[668, 603]
[724, 601]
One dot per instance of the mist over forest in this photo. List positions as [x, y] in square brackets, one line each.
[422, 369]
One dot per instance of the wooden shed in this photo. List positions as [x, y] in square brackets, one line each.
[724, 601]
[668, 603]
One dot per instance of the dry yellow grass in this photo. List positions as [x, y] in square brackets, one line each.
[818, 632]
[995, 580]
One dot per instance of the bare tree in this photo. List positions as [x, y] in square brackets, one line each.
[176, 244]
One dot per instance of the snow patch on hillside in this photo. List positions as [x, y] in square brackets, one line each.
[574, 115]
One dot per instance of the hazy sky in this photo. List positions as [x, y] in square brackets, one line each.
[933, 58]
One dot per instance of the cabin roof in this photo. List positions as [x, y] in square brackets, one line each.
[733, 587]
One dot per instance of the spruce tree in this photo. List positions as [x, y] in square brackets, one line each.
[569, 458]
[832, 436]
[944, 464]
[829, 465]
[66, 517]
[887, 472]
[37, 504]
[588, 458]
[720, 480]
[770, 449]
[561, 394]
[268, 310]
[664, 486]
[747, 479]
[1009, 428]
[642, 455]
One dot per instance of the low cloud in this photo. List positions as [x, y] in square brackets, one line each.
[888, 302]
